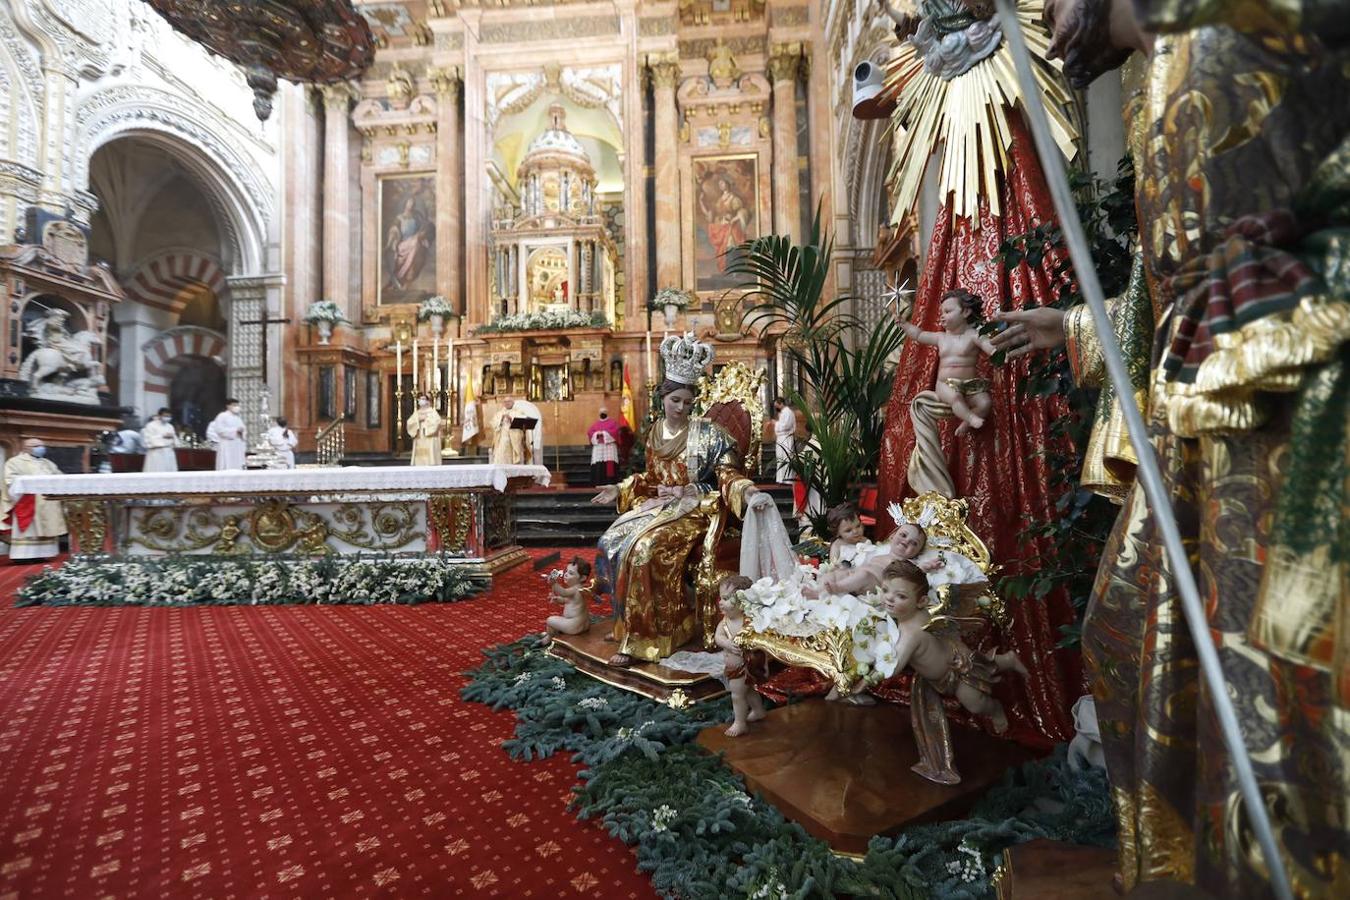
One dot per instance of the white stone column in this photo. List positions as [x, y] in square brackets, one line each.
[665, 74]
[784, 62]
[337, 201]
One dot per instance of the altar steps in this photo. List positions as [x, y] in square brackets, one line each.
[567, 518]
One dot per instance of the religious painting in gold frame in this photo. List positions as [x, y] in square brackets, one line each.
[724, 202]
[406, 262]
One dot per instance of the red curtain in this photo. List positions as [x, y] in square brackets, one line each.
[1001, 470]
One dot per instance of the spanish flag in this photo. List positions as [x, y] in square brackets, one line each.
[627, 416]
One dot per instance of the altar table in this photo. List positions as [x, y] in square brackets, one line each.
[461, 512]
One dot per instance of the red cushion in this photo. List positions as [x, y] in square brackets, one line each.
[735, 420]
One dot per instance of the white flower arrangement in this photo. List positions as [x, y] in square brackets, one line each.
[671, 296]
[434, 306]
[159, 581]
[544, 320]
[662, 816]
[593, 703]
[324, 311]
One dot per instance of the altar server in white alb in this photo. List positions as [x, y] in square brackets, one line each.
[227, 432]
[35, 523]
[784, 434]
[160, 439]
[281, 439]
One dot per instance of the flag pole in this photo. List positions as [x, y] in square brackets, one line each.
[1149, 473]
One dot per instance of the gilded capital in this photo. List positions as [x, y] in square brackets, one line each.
[340, 95]
[445, 80]
[784, 60]
[665, 69]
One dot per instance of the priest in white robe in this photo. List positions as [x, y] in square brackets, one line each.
[508, 444]
[784, 436]
[227, 432]
[283, 441]
[34, 522]
[160, 439]
[424, 427]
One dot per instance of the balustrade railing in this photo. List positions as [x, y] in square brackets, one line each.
[330, 444]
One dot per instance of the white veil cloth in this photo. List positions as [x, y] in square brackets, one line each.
[766, 549]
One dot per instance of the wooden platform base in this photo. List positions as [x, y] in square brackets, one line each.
[843, 772]
[1050, 870]
[590, 653]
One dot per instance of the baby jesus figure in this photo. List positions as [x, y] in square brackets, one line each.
[959, 345]
[568, 589]
[942, 564]
[943, 661]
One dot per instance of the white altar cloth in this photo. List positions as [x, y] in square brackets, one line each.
[346, 480]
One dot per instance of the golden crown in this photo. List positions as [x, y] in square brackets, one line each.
[685, 358]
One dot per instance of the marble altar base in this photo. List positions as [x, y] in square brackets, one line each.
[461, 514]
[589, 652]
[843, 772]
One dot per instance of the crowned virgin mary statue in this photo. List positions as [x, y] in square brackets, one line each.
[694, 471]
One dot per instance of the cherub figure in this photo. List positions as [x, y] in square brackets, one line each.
[746, 704]
[950, 666]
[959, 345]
[568, 588]
[850, 546]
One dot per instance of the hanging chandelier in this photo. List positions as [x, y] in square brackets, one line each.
[305, 41]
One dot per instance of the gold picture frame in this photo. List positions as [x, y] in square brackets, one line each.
[405, 261]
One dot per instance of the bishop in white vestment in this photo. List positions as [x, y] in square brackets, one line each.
[508, 444]
[35, 523]
[160, 439]
[227, 432]
[424, 427]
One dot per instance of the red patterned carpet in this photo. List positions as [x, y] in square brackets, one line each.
[279, 751]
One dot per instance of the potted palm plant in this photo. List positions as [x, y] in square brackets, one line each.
[846, 365]
[324, 315]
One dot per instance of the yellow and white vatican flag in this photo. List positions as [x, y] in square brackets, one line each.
[470, 412]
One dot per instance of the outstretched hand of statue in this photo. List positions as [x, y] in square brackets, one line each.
[608, 496]
[1029, 330]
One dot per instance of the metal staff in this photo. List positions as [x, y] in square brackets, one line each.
[1150, 476]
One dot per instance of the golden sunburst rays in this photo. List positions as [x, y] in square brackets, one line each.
[965, 120]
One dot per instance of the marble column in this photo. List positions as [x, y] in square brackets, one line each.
[784, 62]
[665, 74]
[450, 214]
[337, 200]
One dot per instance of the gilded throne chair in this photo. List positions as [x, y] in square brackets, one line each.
[733, 399]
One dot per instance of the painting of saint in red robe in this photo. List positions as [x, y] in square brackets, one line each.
[407, 226]
[726, 215]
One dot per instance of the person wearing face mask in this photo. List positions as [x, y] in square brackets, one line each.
[34, 522]
[159, 439]
[227, 432]
[424, 427]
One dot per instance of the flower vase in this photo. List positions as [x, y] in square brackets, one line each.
[437, 323]
[671, 311]
[325, 330]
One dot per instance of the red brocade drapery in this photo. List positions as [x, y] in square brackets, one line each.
[1000, 470]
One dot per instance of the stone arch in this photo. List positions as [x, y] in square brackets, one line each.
[161, 280]
[166, 352]
[238, 192]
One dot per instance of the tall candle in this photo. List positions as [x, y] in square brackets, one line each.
[435, 367]
[398, 376]
[651, 369]
[416, 384]
[450, 371]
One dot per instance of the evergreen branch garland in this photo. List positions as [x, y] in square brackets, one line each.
[227, 581]
[698, 833]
